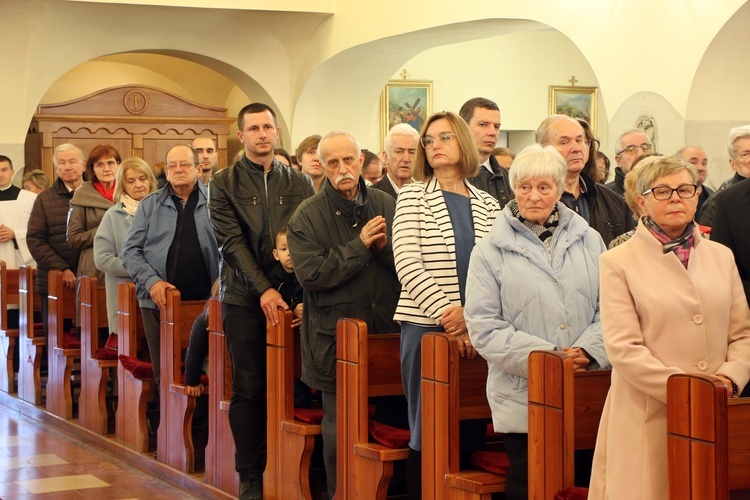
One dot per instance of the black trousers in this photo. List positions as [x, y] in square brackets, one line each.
[245, 331]
[517, 448]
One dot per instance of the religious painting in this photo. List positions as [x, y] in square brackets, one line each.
[405, 102]
[576, 102]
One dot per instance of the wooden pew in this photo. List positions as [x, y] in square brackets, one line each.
[61, 304]
[95, 373]
[565, 407]
[131, 428]
[174, 445]
[708, 439]
[8, 335]
[290, 441]
[453, 389]
[30, 345]
[220, 449]
[367, 366]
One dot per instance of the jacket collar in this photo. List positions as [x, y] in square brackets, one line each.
[257, 168]
[432, 185]
[164, 194]
[351, 209]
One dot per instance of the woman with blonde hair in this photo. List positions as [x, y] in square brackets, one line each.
[135, 180]
[438, 219]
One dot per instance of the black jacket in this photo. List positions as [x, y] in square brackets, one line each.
[618, 184]
[46, 234]
[246, 221]
[496, 184]
[340, 276]
[730, 227]
[610, 215]
[706, 212]
[385, 185]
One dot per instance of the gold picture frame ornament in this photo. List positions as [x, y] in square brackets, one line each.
[405, 102]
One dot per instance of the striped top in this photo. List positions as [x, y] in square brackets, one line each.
[424, 249]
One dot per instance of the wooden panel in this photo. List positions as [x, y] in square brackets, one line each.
[8, 335]
[30, 344]
[61, 305]
[220, 448]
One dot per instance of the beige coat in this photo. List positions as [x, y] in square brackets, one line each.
[659, 318]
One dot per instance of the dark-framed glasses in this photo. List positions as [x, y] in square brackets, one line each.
[442, 138]
[633, 148]
[662, 192]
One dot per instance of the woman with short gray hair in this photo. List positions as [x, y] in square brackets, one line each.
[533, 283]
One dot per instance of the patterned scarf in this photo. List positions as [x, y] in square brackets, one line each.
[681, 246]
[543, 232]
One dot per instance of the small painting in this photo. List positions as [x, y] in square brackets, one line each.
[405, 102]
[576, 102]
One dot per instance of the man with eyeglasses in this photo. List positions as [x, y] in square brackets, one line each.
[604, 210]
[630, 145]
[739, 160]
[208, 156]
[171, 244]
[48, 223]
[483, 117]
[697, 158]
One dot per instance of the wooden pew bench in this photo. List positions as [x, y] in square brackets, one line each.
[708, 440]
[565, 407]
[133, 393]
[453, 389]
[31, 342]
[175, 437]
[61, 305]
[220, 449]
[290, 442]
[367, 366]
[8, 335]
[95, 372]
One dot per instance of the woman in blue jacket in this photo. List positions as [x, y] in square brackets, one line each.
[533, 283]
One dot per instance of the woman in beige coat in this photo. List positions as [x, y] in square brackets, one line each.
[671, 302]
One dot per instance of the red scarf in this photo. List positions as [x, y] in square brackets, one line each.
[107, 193]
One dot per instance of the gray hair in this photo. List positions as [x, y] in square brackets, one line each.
[400, 129]
[334, 134]
[62, 148]
[736, 134]
[619, 147]
[538, 161]
[540, 136]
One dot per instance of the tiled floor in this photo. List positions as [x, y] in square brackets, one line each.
[36, 461]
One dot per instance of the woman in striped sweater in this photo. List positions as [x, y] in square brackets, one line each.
[438, 219]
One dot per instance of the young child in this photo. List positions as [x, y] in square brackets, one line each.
[291, 292]
[198, 349]
[289, 287]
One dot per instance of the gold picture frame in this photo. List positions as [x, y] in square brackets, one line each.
[576, 102]
[404, 102]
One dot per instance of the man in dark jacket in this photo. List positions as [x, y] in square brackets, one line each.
[604, 210]
[630, 145]
[46, 233]
[340, 241]
[400, 151]
[249, 203]
[483, 117]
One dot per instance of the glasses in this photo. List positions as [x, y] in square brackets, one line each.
[645, 147]
[684, 191]
[104, 164]
[442, 138]
[182, 164]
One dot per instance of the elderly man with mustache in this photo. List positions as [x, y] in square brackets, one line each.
[340, 242]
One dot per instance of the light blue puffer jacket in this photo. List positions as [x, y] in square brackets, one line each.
[518, 301]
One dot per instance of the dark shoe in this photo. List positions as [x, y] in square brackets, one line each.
[251, 488]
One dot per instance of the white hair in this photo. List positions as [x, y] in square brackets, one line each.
[400, 129]
[62, 148]
[339, 133]
[537, 161]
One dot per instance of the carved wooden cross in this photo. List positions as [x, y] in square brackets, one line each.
[573, 81]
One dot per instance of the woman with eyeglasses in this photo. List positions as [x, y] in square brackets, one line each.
[671, 302]
[438, 219]
[89, 204]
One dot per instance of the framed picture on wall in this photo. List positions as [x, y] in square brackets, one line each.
[576, 102]
[405, 102]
